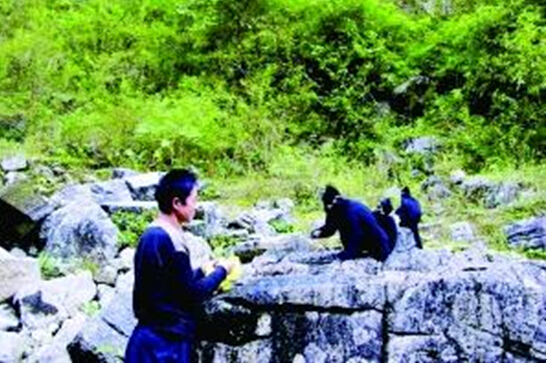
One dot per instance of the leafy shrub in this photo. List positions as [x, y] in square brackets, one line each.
[223, 83]
[131, 226]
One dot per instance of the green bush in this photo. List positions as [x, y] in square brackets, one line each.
[131, 226]
[223, 83]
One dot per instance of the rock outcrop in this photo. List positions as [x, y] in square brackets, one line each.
[420, 306]
[80, 230]
[295, 302]
[529, 234]
[306, 306]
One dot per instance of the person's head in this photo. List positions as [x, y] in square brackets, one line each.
[177, 194]
[385, 206]
[405, 192]
[329, 196]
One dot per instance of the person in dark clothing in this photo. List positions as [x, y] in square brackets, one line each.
[168, 293]
[360, 234]
[387, 222]
[410, 213]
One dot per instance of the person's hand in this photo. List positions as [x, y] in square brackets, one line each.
[208, 267]
[227, 264]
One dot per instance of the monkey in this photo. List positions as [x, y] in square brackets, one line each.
[360, 234]
[410, 213]
[386, 221]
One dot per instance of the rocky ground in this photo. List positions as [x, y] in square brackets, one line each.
[295, 302]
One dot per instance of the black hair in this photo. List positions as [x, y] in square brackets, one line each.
[386, 206]
[405, 191]
[329, 195]
[177, 183]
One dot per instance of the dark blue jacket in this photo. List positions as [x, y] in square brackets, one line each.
[167, 294]
[359, 232]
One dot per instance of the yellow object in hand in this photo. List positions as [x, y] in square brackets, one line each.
[233, 276]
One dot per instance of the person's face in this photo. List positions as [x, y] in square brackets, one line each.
[185, 211]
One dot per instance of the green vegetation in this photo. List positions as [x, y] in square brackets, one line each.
[91, 308]
[274, 98]
[223, 83]
[49, 266]
[88, 264]
[221, 245]
[131, 226]
[53, 267]
[281, 226]
[106, 350]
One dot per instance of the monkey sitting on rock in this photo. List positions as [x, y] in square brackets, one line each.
[360, 233]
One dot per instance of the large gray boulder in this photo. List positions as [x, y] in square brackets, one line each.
[490, 194]
[210, 220]
[106, 192]
[80, 230]
[114, 190]
[420, 348]
[106, 274]
[14, 178]
[119, 313]
[105, 294]
[16, 273]
[12, 347]
[71, 193]
[98, 342]
[529, 234]
[56, 350]
[104, 337]
[36, 207]
[46, 304]
[143, 186]
[126, 259]
[258, 245]
[259, 219]
[199, 249]
[421, 306]
[22, 210]
[14, 163]
[435, 188]
[503, 195]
